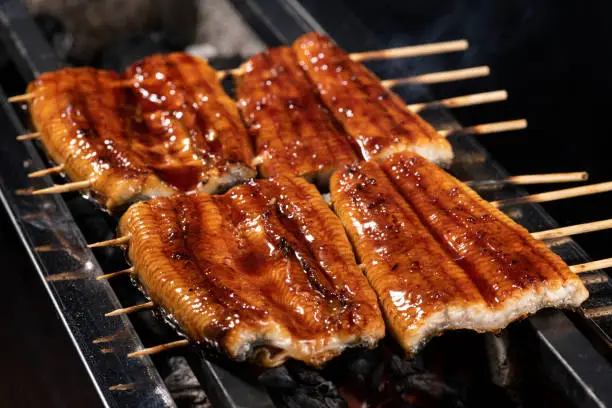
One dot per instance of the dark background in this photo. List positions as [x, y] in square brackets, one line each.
[553, 58]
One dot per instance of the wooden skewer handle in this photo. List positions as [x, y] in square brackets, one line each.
[462, 101]
[573, 230]
[439, 77]
[44, 172]
[592, 266]
[548, 178]
[532, 179]
[485, 128]
[556, 195]
[412, 51]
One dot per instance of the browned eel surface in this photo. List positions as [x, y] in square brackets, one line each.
[264, 272]
[375, 117]
[168, 127]
[293, 133]
[79, 113]
[439, 257]
[188, 125]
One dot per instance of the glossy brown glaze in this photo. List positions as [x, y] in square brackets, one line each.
[376, 118]
[264, 272]
[501, 257]
[174, 129]
[293, 133]
[439, 257]
[78, 112]
[415, 280]
[190, 129]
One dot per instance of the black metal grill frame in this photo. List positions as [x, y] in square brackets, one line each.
[571, 359]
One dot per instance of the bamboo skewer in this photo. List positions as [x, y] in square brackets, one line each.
[485, 128]
[556, 195]
[455, 102]
[159, 349]
[111, 242]
[573, 230]
[126, 310]
[44, 172]
[554, 233]
[423, 79]
[541, 235]
[592, 266]
[28, 136]
[21, 98]
[118, 273]
[390, 53]
[438, 77]
[63, 188]
[532, 179]
[411, 51]
[475, 130]
[461, 101]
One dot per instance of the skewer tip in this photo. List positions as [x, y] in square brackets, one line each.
[63, 188]
[111, 242]
[113, 274]
[21, 98]
[28, 136]
[158, 349]
[130, 309]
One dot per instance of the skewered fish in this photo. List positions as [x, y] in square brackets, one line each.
[293, 133]
[172, 128]
[77, 112]
[375, 117]
[264, 272]
[189, 124]
[441, 258]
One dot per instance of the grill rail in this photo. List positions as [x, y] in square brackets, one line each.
[571, 359]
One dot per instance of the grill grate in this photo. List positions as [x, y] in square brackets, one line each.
[55, 230]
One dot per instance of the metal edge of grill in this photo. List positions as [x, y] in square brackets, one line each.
[582, 375]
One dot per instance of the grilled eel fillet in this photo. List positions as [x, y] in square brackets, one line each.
[294, 133]
[193, 130]
[174, 130]
[441, 258]
[77, 112]
[264, 272]
[376, 118]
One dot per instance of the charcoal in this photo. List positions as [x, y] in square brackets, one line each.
[401, 367]
[428, 384]
[326, 388]
[305, 375]
[361, 369]
[277, 377]
[305, 398]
